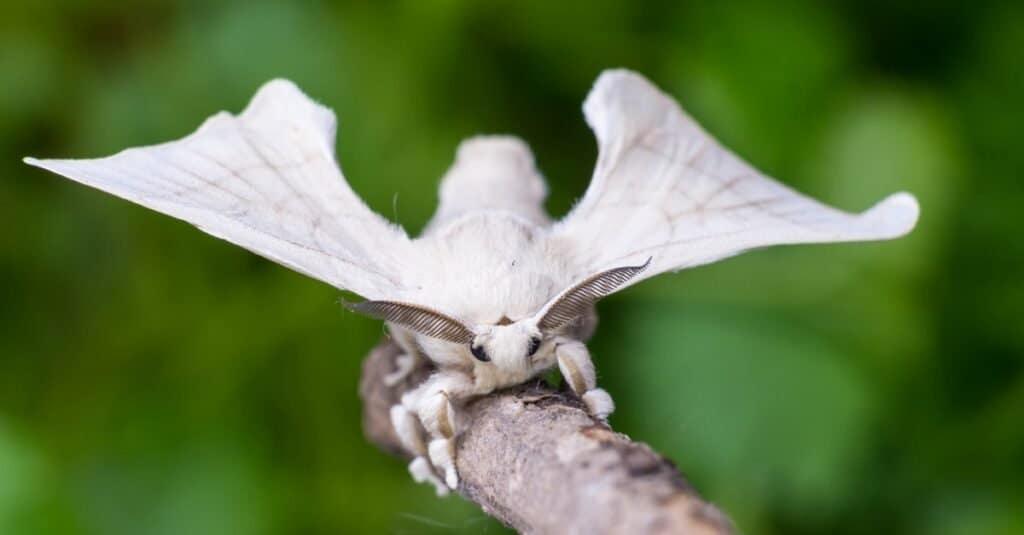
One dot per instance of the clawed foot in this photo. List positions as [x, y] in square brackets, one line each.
[578, 371]
[422, 472]
[427, 412]
[442, 454]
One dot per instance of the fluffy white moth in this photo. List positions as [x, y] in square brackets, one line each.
[493, 292]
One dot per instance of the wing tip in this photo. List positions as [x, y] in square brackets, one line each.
[622, 91]
[284, 99]
[41, 163]
[894, 216]
[281, 89]
[617, 75]
[607, 83]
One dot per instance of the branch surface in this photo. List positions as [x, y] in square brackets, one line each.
[534, 459]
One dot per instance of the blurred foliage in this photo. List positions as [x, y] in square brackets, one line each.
[154, 380]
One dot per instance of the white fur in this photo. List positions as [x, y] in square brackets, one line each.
[491, 257]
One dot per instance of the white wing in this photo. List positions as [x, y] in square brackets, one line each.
[266, 180]
[664, 189]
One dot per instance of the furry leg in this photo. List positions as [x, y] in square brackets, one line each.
[406, 362]
[404, 365]
[409, 433]
[578, 370]
[442, 454]
[432, 402]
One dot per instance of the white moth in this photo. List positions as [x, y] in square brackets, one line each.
[493, 292]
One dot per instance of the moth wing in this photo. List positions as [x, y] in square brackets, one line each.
[665, 189]
[266, 180]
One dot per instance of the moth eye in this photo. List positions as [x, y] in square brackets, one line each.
[479, 353]
[533, 347]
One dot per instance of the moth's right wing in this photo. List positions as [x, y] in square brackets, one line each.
[266, 180]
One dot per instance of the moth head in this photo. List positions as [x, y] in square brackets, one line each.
[506, 344]
[509, 346]
[572, 304]
[512, 346]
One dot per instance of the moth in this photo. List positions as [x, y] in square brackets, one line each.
[494, 291]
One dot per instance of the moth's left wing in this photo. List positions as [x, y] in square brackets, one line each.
[664, 189]
[266, 180]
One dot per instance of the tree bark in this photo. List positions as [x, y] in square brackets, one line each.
[533, 458]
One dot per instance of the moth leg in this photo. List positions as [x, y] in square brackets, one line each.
[410, 433]
[578, 371]
[406, 362]
[433, 403]
[404, 365]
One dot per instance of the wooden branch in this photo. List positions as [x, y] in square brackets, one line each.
[534, 459]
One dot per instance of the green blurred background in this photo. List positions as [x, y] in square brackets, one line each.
[154, 380]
